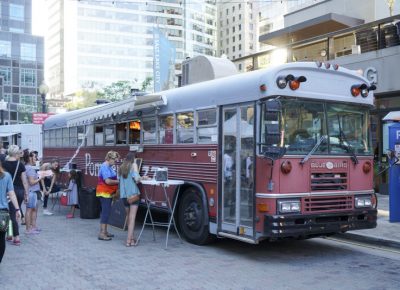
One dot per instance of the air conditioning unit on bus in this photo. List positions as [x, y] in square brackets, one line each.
[355, 49]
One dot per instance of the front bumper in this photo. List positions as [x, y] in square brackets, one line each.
[313, 225]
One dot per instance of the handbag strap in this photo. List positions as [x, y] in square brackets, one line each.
[16, 170]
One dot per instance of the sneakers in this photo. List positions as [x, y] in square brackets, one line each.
[47, 212]
[70, 216]
[32, 232]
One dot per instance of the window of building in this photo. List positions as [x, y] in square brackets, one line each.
[227, 21]
[240, 27]
[233, 8]
[185, 127]
[240, 66]
[167, 129]
[233, 39]
[233, 19]
[17, 12]
[98, 135]
[207, 126]
[240, 37]
[28, 51]
[240, 6]
[227, 31]
[227, 11]
[233, 29]
[16, 30]
[149, 131]
[134, 132]
[227, 41]
[240, 16]
[5, 48]
[28, 77]
[233, 49]
[5, 72]
[240, 47]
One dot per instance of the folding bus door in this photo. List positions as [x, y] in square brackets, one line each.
[236, 203]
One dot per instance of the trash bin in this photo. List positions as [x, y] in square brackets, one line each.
[89, 204]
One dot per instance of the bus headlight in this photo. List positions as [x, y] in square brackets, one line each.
[362, 201]
[289, 206]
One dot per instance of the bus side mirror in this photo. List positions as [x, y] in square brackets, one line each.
[270, 145]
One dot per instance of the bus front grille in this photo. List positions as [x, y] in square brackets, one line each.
[327, 203]
[328, 181]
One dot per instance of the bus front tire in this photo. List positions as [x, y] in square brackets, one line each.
[191, 218]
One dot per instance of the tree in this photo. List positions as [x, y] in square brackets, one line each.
[147, 83]
[83, 99]
[117, 91]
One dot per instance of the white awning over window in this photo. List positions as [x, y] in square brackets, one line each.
[112, 109]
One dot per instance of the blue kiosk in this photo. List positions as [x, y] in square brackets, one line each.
[394, 172]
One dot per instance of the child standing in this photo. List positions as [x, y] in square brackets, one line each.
[72, 192]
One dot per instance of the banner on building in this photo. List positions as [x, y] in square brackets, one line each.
[39, 118]
[163, 62]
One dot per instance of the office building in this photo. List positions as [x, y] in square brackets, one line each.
[21, 62]
[91, 44]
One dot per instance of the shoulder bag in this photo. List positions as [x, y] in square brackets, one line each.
[4, 220]
[133, 198]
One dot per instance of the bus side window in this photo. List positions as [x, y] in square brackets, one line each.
[134, 132]
[98, 135]
[207, 131]
[121, 133]
[184, 130]
[149, 131]
[47, 138]
[166, 129]
[109, 134]
[89, 135]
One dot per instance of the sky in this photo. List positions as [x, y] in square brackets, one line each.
[39, 17]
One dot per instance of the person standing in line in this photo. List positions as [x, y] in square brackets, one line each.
[16, 168]
[72, 192]
[6, 189]
[128, 177]
[34, 190]
[49, 183]
[107, 185]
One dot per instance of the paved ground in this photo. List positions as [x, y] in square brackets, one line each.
[67, 255]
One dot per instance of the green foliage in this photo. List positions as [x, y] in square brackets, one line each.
[117, 91]
[146, 83]
[84, 99]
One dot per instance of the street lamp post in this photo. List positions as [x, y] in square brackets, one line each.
[3, 107]
[43, 90]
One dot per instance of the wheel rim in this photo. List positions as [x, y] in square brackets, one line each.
[192, 216]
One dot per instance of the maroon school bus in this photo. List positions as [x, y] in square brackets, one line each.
[283, 152]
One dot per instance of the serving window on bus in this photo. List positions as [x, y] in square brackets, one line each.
[149, 131]
[339, 128]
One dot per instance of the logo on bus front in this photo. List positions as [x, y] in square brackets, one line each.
[329, 165]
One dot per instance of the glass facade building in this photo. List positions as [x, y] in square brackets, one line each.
[91, 44]
[21, 62]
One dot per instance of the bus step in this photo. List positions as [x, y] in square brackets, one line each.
[239, 238]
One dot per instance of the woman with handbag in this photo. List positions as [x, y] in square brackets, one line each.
[107, 185]
[16, 168]
[129, 193]
[6, 189]
[49, 183]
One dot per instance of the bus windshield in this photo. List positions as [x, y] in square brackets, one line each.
[339, 128]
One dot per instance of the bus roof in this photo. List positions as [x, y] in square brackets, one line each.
[323, 83]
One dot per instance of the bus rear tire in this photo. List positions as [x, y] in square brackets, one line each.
[191, 218]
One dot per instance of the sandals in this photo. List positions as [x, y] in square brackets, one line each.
[16, 242]
[130, 242]
[104, 238]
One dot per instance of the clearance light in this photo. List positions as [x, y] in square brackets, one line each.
[335, 66]
[295, 84]
[263, 87]
[355, 90]
[327, 65]
[286, 167]
[318, 63]
[367, 167]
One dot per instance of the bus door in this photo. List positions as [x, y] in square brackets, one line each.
[236, 204]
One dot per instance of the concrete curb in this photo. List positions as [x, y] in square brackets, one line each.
[369, 240]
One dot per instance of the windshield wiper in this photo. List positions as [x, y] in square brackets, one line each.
[349, 148]
[313, 150]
